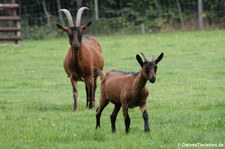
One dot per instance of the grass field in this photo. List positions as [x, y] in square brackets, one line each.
[186, 105]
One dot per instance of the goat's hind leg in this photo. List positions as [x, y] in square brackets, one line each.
[92, 102]
[95, 87]
[90, 91]
[103, 103]
[86, 89]
[114, 115]
[96, 74]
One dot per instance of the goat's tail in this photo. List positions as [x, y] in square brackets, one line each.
[98, 72]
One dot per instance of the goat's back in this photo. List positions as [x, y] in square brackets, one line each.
[119, 87]
[116, 83]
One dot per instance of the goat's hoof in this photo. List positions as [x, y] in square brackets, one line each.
[75, 110]
[97, 127]
[91, 105]
[147, 130]
[127, 131]
[114, 131]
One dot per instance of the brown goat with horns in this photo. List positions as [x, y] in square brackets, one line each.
[127, 89]
[83, 56]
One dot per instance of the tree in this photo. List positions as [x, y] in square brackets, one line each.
[47, 14]
[60, 14]
[79, 4]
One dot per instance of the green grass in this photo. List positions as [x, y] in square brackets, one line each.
[185, 105]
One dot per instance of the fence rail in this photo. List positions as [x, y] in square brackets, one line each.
[9, 18]
[7, 29]
[6, 6]
[7, 38]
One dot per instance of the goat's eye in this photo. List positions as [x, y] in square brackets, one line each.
[147, 69]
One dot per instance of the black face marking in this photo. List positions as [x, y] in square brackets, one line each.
[149, 66]
[149, 69]
[75, 35]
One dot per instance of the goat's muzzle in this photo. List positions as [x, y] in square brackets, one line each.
[152, 80]
[76, 47]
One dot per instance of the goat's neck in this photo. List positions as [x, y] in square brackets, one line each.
[78, 56]
[139, 82]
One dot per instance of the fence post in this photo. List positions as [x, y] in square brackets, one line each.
[200, 14]
[14, 18]
[96, 10]
[142, 28]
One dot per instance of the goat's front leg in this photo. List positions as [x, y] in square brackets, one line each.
[145, 117]
[126, 117]
[75, 94]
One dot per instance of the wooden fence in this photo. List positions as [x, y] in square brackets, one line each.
[14, 18]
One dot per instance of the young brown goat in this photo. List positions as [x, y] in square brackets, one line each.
[83, 55]
[127, 90]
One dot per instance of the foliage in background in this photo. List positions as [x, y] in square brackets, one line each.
[121, 16]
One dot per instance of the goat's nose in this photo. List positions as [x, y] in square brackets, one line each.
[152, 80]
[76, 47]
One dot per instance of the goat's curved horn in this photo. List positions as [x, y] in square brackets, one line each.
[68, 16]
[79, 13]
[143, 56]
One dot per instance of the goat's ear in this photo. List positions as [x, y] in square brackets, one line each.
[138, 58]
[61, 27]
[159, 58]
[84, 27]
